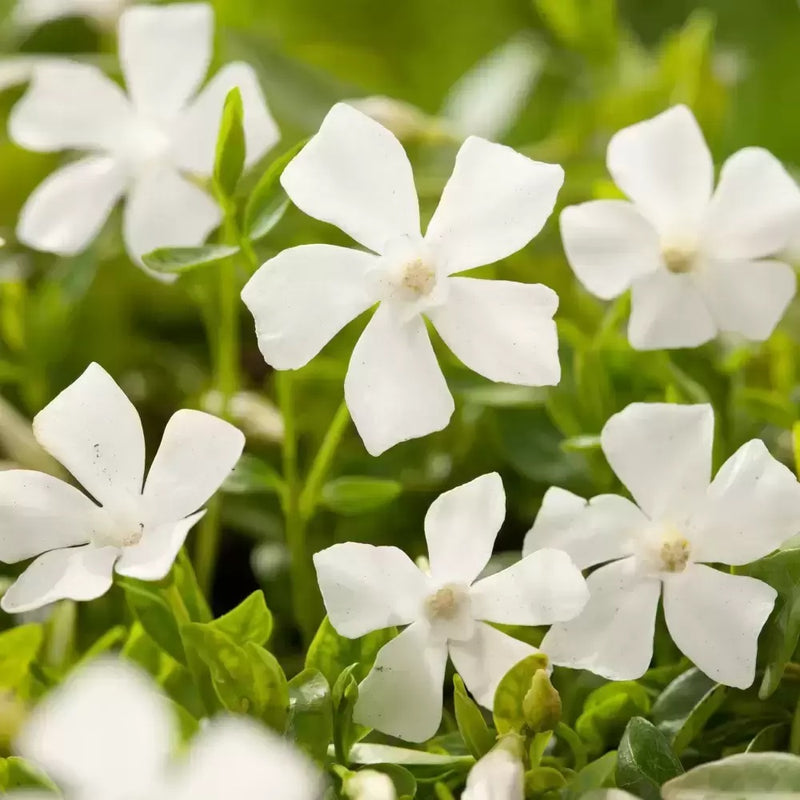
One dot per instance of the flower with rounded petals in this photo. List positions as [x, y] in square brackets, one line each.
[499, 775]
[661, 545]
[366, 588]
[136, 526]
[108, 734]
[697, 260]
[30, 13]
[145, 145]
[355, 174]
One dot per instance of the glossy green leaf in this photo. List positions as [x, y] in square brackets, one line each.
[231, 150]
[645, 760]
[311, 712]
[346, 732]
[508, 712]
[351, 495]
[472, 726]
[178, 260]
[250, 621]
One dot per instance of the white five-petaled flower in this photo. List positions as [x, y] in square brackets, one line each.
[662, 545]
[499, 775]
[109, 734]
[696, 259]
[145, 145]
[139, 526]
[366, 588]
[355, 174]
[36, 12]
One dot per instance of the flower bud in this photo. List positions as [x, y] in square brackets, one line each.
[541, 705]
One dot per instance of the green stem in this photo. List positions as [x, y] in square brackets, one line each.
[794, 735]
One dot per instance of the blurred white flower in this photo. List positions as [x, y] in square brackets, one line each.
[142, 145]
[108, 734]
[499, 775]
[366, 588]
[138, 528]
[681, 519]
[369, 784]
[355, 174]
[697, 260]
[30, 13]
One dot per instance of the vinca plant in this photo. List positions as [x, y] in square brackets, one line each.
[399, 401]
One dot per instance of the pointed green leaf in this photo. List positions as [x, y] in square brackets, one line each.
[231, 148]
[250, 621]
[177, 260]
[645, 760]
[476, 734]
[351, 495]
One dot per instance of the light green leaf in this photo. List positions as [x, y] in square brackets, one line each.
[471, 723]
[17, 773]
[177, 260]
[351, 495]
[508, 698]
[151, 609]
[250, 621]
[346, 732]
[231, 147]
[607, 710]
[311, 713]
[645, 760]
[252, 475]
[18, 648]
[598, 774]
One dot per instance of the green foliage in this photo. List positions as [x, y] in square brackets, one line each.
[509, 697]
[645, 760]
[356, 495]
[178, 260]
[18, 649]
[311, 712]
[607, 710]
[231, 148]
[472, 726]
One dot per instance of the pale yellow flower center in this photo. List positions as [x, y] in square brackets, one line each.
[418, 277]
[674, 553]
[679, 260]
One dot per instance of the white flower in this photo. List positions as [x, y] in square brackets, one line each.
[366, 588]
[499, 775]
[682, 520]
[139, 526]
[108, 734]
[355, 174]
[37, 12]
[142, 145]
[697, 260]
[369, 784]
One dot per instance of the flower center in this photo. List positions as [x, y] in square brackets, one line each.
[445, 603]
[121, 526]
[418, 277]
[674, 554]
[449, 613]
[679, 259]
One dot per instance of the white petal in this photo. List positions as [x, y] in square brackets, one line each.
[461, 526]
[394, 386]
[497, 776]
[95, 432]
[70, 106]
[166, 210]
[613, 636]
[409, 666]
[591, 532]
[303, 297]
[542, 588]
[483, 660]
[152, 558]
[366, 588]
[234, 753]
[664, 166]
[356, 175]
[752, 508]
[165, 52]
[105, 728]
[197, 452]
[715, 619]
[755, 209]
[669, 311]
[662, 453]
[197, 129]
[609, 244]
[38, 513]
[68, 209]
[494, 203]
[501, 329]
[747, 297]
[74, 573]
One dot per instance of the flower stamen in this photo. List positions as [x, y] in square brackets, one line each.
[679, 260]
[675, 554]
[418, 277]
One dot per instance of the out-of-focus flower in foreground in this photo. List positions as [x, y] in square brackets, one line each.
[139, 526]
[366, 588]
[30, 13]
[499, 775]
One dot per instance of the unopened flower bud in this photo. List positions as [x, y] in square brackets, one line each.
[541, 705]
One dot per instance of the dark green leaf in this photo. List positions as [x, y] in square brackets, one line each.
[352, 495]
[346, 732]
[471, 723]
[177, 260]
[645, 760]
[147, 602]
[231, 148]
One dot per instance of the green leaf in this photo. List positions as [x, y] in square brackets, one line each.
[755, 776]
[142, 650]
[177, 260]
[346, 732]
[508, 698]
[607, 710]
[111, 638]
[768, 739]
[543, 779]
[272, 688]
[252, 475]
[645, 760]
[185, 580]
[598, 774]
[351, 495]
[425, 766]
[476, 734]
[151, 609]
[18, 648]
[250, 621]
[311, 713]
[231, 149]
[17, 773]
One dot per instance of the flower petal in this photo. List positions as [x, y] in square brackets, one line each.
[166, 210]
[38, 513]
[105, 728]
[461, 526]
[542, 588]
[662, 453]
[715, 619]
[197, 452]
[501, 329]
[608, 245]
[196, 135]
[303, 297]
[613, 636]
[95, 432]
[356, 175]
[499, 775]
[755, 209]
[664, 166]
[483, 660]
[74, 573]
[165, 52]
[152, 558]
[394, 386]
[366, 588]
[67, 209]
[752, 508]
[590, 531]
[494, 203]
[748, 297]
[669, 311]
[409, 666]
[70, 106]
